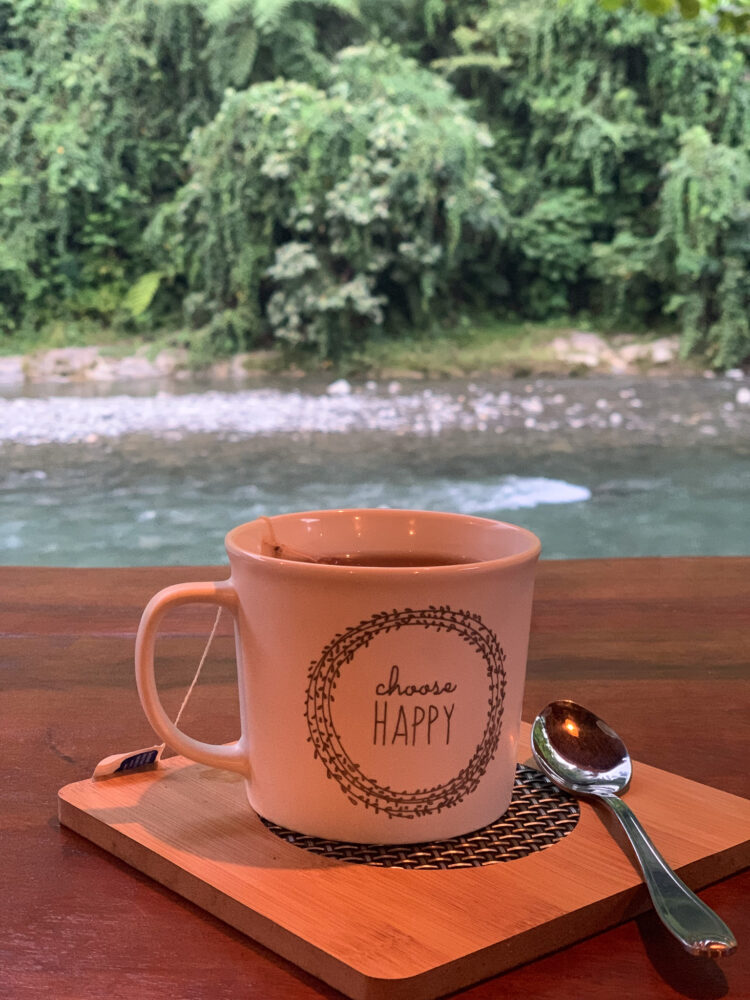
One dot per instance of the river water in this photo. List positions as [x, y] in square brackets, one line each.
[151, 475]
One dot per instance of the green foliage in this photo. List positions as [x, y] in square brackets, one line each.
[594, 116]
[729, 16]
[97, 104]
[140, 295]
[699, 256]
[552, 244]
[315, 171]
[705, 232]
[335, 209]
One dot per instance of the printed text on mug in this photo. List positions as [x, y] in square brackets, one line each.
[411, 724]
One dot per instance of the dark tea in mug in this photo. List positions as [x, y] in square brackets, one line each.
[395, 559]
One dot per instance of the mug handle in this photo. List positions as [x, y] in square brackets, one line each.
[230, 756]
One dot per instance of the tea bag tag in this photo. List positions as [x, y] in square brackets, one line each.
[148, 758]
[138, 760]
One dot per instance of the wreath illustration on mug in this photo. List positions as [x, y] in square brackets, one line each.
[323, 676]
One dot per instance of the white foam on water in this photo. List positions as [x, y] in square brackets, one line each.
[481, 497]
[516, 493]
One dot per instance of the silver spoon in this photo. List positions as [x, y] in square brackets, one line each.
[581, 754]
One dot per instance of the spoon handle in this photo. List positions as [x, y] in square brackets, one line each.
[694, 924]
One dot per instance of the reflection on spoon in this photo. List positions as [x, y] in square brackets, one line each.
[581, 754]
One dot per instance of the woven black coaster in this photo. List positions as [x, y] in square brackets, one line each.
[539, 814]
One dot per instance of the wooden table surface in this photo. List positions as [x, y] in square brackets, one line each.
[658, 647]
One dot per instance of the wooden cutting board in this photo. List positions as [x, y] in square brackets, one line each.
[388, 933]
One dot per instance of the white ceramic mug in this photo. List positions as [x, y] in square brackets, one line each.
[380, 693]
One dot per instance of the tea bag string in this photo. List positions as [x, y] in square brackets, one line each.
[278, 549]
[149, 757]
[284, 551]
[200, 666]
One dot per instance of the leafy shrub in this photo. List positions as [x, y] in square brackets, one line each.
[704, 241]
[594, 116]
[97, 105]
[334, 209]
[699, 255]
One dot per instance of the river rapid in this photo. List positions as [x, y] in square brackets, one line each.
[157, 472]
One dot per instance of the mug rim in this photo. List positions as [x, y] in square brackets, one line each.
[529, 553]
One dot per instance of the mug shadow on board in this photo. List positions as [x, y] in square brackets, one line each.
[210, 821]
[203, 811]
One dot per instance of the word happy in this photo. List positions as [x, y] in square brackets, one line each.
[411, 724]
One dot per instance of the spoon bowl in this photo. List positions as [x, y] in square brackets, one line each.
[581, 754]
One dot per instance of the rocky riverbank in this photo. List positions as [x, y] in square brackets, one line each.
[548, 414]
[630, 393]
[575, 353]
